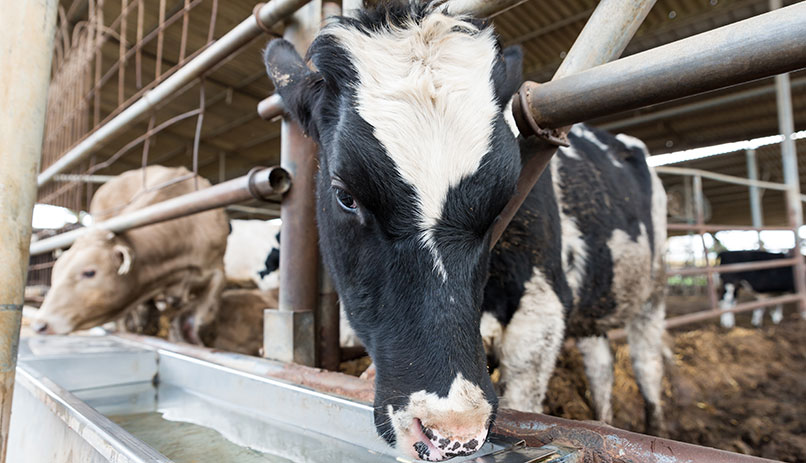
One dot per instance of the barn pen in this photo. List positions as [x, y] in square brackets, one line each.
[94, 399]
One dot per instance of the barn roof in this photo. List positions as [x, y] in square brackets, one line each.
[233, 138]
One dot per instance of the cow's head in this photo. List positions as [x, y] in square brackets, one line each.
[408, 106]
[91, 284]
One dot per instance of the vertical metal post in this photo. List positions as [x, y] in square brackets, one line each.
[755, 194]
[222, 167]
[786, 124]
[289, 334]
[26, 31]
[699, 210]
[605, 36]
[328, 318]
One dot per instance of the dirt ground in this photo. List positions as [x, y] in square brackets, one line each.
[742, 390]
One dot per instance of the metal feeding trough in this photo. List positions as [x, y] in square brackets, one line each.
[106, 399]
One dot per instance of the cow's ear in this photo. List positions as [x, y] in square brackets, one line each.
[508, 74]
[299, 87]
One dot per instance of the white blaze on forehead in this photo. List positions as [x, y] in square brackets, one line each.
[426, 91]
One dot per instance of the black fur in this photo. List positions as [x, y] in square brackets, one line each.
[272, 260]
[771, 280]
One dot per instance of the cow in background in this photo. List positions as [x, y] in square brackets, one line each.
[760, 284]
[106, 275]
[253, 254]
[410, 108]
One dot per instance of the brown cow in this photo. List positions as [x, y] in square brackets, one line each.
[105, 275]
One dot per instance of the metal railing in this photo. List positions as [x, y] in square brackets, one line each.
[700, 227]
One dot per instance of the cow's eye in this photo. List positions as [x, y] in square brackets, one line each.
[88, 274]
[346, 200]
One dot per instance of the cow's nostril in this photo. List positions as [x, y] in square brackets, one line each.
[40, 327]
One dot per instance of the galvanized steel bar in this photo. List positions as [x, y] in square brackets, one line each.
[783, 93]
[733, 268]
[271, 107]
[602, 443]
[257, 184]
[329, 316]
[240, 35]
[83, 178]
[756, 213]
[717, 228]
[605, 36]
[289, 333]
[613, 23]
[720, 177]
[696, 106]
[695, 317]
[478, 8]
[699, 212]
[761, 46]
[27, 30]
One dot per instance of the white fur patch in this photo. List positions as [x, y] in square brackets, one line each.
[598, 362]
[570, 152]
[426, 90]
[462, 415]
[632, 142]
[583, 132]
[727, 319]
[572, 240]
[530, 345]
[632, 269]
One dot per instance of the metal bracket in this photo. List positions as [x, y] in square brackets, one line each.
[516, 451]
[525, 120]
[289, 337]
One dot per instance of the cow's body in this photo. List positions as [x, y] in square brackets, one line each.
[760, 284]
[105, 275]
[253, 254]
[582, 256]
[409, 105]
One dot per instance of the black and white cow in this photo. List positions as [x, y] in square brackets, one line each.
[758, 283]
[253, 253]
[418, 156]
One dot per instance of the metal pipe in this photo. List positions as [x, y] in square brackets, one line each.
[269, 14]
[605, 36]
[599, 442]
[716, 228]
[27, 31]
[289, 333]
[83, 178]
[699, 211]
[613, 22]
[783, 93]
[328, 382]
[260, 183]
[696, 106]
[733, 268]
[720, 177]
[686, 319]
[755, 195]
[479, 8]
[758, 47]
[271, 107]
